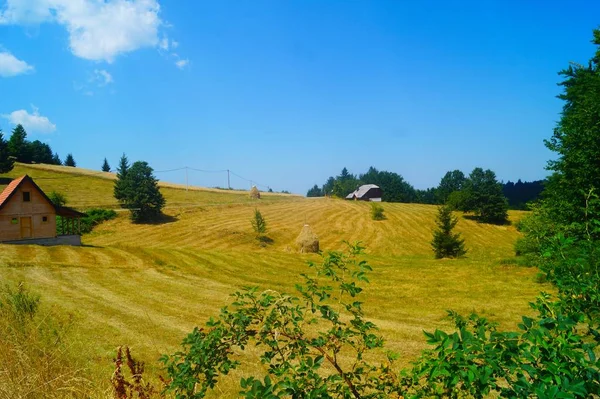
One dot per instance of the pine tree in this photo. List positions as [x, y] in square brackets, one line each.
[121, 185]
[6, 160]
[56, 159]
[105, 166]
[259, 224]
[142, 195]
[18, 146]
[447, 244]
[70, 161]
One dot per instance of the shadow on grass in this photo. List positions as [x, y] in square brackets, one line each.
[162, 219]
[264, 240]
[495, 223]
[91, 246]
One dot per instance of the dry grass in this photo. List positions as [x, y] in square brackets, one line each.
[148, 285]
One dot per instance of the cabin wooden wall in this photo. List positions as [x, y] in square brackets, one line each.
[37, 208]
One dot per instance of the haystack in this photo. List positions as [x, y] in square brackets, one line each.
[307, 241]
[254, 193]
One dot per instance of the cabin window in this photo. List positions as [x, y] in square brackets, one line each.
[15, 221]
[26, 196]
[44, 219]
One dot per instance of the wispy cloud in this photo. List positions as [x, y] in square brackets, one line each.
[102, 77]
[181, 64]
[12, 66]
[33, 122]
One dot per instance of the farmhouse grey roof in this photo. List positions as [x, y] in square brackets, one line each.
[362, 190]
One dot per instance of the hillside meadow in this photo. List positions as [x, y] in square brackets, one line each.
[148, 285]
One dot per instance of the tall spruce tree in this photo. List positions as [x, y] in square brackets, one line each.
[18, 145]
[121, 184]
[105, 166]
[446, 243]
[142, 196]
[6, 160]
[70, 161]
[56, 159]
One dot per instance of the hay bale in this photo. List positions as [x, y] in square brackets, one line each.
[307, 241]
[254, 193]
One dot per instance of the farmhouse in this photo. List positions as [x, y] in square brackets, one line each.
[367, 192]
[28, 216]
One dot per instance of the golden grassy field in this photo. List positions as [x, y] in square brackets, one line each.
[149, 285]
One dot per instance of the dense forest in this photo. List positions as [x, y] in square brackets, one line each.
[18, 149]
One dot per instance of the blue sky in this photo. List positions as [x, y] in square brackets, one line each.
[286, 93]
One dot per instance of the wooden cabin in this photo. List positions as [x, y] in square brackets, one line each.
[26, 213]
[367, 192]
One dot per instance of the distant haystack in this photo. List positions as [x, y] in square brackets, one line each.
[307, 241]
[254, 193]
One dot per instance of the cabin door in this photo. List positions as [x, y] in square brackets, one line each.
[26, 227]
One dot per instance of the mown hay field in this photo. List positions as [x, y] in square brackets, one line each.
[148, 285]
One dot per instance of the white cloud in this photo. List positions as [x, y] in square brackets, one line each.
[99, 30]
[12, 66]
[34, 123]
[181, 64]
[102, 77]
[164, 44]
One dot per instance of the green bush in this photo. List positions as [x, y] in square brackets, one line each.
[94, 217]
[377, 212]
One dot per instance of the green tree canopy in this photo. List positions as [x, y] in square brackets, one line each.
[70, 161]
[6, 160]
[141, 194]
[121, 188]
[446, 243]
[40, 152]
[18, 145]
[451, 182]
[484, 197]
[315, 191]
[576, 141]
[56, 159]
[105, 166]
[394, 187]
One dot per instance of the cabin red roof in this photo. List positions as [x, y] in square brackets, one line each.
[10, 189]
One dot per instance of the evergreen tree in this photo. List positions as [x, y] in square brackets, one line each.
[142, 195]
[259, 224]
[121, 185]
[6, 160]
[70, 161]
[483, 196]
[18, 145]
[56, 159]
[447, 244]
[40, 152]
[315, 191]
[105, 166]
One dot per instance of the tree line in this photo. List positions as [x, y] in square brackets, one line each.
[18, 149]
[396, 189]
[480, 192]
